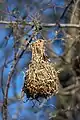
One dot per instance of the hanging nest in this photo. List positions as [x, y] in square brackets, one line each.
[41, 79]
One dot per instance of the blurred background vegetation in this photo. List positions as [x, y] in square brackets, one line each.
[62, 49]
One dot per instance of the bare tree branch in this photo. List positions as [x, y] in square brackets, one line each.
[61, 25]
[43, 24]
[5, 103]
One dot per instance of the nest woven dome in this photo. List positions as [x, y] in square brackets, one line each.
[41, 79]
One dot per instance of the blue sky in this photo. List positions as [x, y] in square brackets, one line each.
[57, 47]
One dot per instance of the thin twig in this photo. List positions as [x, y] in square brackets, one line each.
[4, 109]
[44, 24]
[2, 77]
[74, 9]
[65, 10]
[61, 25]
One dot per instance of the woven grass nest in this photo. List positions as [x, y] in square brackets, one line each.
[41, 79]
